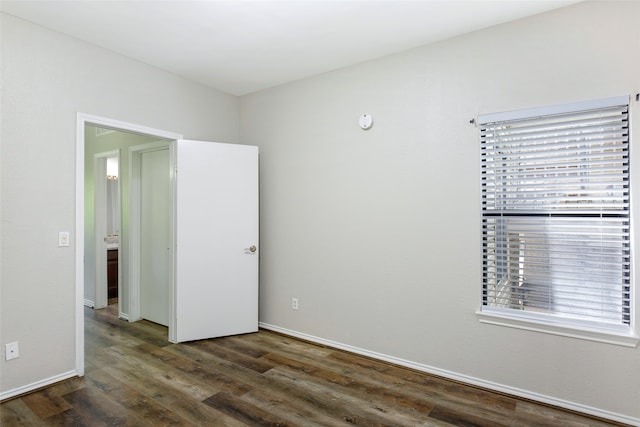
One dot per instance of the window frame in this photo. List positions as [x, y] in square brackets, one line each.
[549, 323]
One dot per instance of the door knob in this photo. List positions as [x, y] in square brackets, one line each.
[251, 248]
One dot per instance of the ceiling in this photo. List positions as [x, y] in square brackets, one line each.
[242, 46]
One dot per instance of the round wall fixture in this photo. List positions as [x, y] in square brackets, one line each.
[365, 121]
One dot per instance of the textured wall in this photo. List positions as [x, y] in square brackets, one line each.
[377, 233]
[47, 78]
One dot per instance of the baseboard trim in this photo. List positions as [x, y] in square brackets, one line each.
[89, 303]
[526, 394]
[37, 385]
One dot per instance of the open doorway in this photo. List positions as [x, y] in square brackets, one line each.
[112, 238]
[105, 191]
[213, 221]
[107, 225]
[97, 135]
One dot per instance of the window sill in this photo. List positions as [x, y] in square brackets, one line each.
[536, 325]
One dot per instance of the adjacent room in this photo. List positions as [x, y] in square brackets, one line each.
[438, 188]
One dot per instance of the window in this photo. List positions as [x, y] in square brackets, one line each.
[555, 215]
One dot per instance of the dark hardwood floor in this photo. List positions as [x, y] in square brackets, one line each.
[134, 377]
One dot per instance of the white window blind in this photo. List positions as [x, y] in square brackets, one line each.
[555, 213]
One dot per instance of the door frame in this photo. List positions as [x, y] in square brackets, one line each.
[100, 299]
[82, 120]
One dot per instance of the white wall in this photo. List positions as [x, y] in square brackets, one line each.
[377, 233]
[47, 78]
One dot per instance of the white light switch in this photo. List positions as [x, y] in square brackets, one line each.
[63, 238]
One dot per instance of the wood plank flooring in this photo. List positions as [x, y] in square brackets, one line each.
[135, 377]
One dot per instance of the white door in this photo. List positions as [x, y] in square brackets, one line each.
[155, 235]
[216, 240]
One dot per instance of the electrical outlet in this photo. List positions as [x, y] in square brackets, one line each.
[12, 351]
[294, 303]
